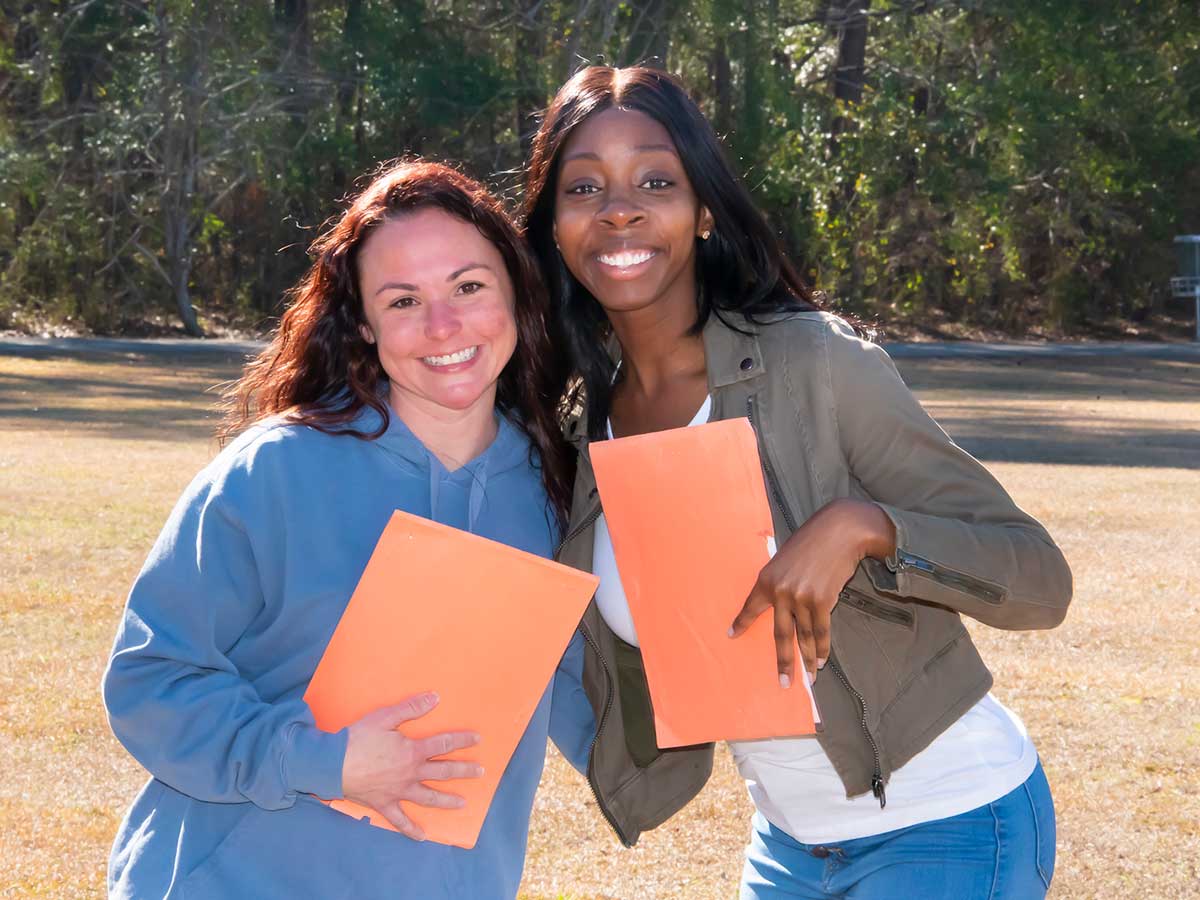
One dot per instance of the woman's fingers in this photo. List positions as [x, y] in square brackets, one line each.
[822, 625]
[448, 770]
[803, 615]
[785, 644]
[423, 795]
[405, 711]
[756, 604]
[394, 814]
[447, 742]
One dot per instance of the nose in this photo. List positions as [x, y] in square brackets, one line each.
[441, 321]
[620, 211]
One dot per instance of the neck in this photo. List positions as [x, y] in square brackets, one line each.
[656, 346]
[454, 436]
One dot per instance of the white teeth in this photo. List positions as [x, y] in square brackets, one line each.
[626, 258]
[451, 358]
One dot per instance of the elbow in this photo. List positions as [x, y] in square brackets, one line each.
[1060, 588]
[1044, 609]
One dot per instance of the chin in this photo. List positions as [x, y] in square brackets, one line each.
[459, 400]
[626, 297]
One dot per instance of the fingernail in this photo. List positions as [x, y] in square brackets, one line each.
[459, 802]
[433, 697]
[729, 633]
[784, 680]
[479, 771]
[821, 663]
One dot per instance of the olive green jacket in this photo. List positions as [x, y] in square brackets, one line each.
[834, 419]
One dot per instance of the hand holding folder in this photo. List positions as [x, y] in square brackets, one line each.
[691, 529]
[480, 623]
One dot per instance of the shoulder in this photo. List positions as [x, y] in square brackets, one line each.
[269, 457]
[811, 339]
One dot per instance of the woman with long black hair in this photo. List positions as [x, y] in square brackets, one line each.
[678, 307]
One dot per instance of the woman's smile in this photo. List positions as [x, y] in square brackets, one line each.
[626, 264]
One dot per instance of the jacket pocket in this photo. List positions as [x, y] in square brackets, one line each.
[637, 714]
[876, 608]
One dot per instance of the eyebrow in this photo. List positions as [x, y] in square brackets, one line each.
[467, 268]
[404, 286]
[587, 154]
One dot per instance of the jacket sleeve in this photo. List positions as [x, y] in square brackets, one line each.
[572, 723]
[961, 540]
[174, 698]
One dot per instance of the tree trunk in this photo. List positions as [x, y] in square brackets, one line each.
[849, 21]
[179, 108]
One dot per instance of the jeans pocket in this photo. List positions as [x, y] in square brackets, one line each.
[1041, 804]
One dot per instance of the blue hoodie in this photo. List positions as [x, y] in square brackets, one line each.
[222, 632]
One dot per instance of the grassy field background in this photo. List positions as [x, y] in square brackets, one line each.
[95, 448]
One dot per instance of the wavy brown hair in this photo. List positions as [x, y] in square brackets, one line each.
[320, 372]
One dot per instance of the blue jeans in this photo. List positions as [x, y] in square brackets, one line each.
[1001, 851]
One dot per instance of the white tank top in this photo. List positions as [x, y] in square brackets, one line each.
[978, 759]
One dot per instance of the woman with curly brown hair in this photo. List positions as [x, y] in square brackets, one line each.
[412, 371]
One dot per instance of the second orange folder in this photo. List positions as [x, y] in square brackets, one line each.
[688, 515]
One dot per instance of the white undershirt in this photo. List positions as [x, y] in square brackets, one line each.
[978, 759]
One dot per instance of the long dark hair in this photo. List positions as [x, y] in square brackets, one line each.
[740, 268]
[319, 371]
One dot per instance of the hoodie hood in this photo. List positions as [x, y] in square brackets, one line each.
[510, 449]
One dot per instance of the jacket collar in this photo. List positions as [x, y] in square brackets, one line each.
[731, 357]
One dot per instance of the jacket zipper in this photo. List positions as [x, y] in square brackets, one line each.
[591, 769]
[578, 529]
[771, 477]
[903, 561]
[877, 775]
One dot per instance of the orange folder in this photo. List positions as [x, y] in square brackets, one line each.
[482, 624]
[691, 529]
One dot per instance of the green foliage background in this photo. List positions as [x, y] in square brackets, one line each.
[1014, 165]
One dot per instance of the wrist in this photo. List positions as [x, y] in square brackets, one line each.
[872, 532]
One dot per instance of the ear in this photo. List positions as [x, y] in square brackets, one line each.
[705, 224]
[367, 334]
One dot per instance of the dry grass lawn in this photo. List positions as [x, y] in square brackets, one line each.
[94, 451]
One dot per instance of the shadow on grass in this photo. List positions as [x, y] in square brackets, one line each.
[1098, 377]
[1075, 435]
[119, 395]
[169, 397]
[1104, 442]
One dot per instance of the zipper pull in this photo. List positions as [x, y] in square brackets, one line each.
[877, 790]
